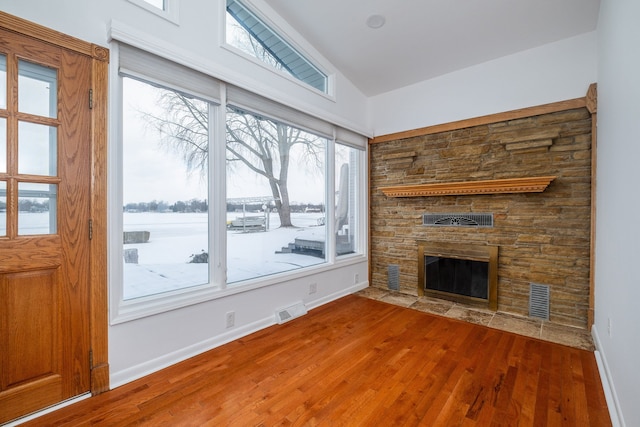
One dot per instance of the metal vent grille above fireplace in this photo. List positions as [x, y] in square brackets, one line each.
[458, 219]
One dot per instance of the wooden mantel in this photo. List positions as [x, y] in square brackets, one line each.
[494, 186]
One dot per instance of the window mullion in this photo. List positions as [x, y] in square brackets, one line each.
[330, 202]
[218, 191]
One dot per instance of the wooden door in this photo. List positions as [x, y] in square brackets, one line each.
[45, 170]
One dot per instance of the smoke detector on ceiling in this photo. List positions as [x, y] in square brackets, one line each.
[375, 21]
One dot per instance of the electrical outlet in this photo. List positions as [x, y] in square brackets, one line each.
[230, 319]
[356, 279]
[313, 288]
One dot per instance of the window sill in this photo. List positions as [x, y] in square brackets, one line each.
[138, 308]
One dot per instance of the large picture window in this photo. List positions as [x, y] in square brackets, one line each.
[220, 188]
[165, 190]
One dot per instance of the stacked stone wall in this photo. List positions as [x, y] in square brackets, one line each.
[542, 237]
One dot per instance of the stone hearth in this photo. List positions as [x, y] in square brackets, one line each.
[535, 328]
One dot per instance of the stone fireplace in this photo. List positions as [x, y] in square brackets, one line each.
[541, 221]
[460, 272]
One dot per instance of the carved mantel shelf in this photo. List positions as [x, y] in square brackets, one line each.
[494, 186]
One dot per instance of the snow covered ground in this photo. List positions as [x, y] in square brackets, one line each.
[163, 262]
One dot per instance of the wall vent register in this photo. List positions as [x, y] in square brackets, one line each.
[539, 301]
[393, 279]
[458, 219]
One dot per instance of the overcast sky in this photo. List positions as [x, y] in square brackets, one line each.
[154, 172]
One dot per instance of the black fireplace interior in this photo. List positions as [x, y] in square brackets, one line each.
[457, 276]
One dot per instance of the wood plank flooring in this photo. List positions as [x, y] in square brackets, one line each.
[360, 362]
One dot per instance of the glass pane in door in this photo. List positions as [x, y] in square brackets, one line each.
[37, 89]
[3, 208]
[37, 148]
[3, 81]
[37, 208]
[3, 145]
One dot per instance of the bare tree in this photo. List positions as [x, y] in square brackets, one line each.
[241, 38]
[263, 146]
[183, 127]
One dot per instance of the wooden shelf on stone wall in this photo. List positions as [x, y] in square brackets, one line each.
[493, 186]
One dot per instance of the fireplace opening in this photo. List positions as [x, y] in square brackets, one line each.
[458, 271]
[460, 276]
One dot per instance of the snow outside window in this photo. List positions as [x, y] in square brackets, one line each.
[165, 190]
[276, 197]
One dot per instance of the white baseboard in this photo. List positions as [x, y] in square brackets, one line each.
[136, 372]
[617, 420]
[133, 373]
[336, 295]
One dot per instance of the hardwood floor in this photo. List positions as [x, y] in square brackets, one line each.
[361, 362]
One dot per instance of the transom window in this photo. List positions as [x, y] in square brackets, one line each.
[250, 34]
[167, 9]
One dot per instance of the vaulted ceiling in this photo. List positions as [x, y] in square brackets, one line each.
[422, 39]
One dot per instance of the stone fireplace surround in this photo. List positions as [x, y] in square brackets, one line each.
[544, 237]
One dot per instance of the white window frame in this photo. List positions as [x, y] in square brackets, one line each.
[123, 311]
[171, 11]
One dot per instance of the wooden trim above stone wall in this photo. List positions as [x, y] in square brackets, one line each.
[484, 120]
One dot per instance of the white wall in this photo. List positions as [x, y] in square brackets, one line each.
[617, 318]
[144, 345]
[554, 72]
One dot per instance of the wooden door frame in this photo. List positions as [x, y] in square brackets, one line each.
[98, 310]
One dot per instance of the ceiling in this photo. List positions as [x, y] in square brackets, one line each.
[422, 39]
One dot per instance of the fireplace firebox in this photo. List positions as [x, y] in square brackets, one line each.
[461, 272]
